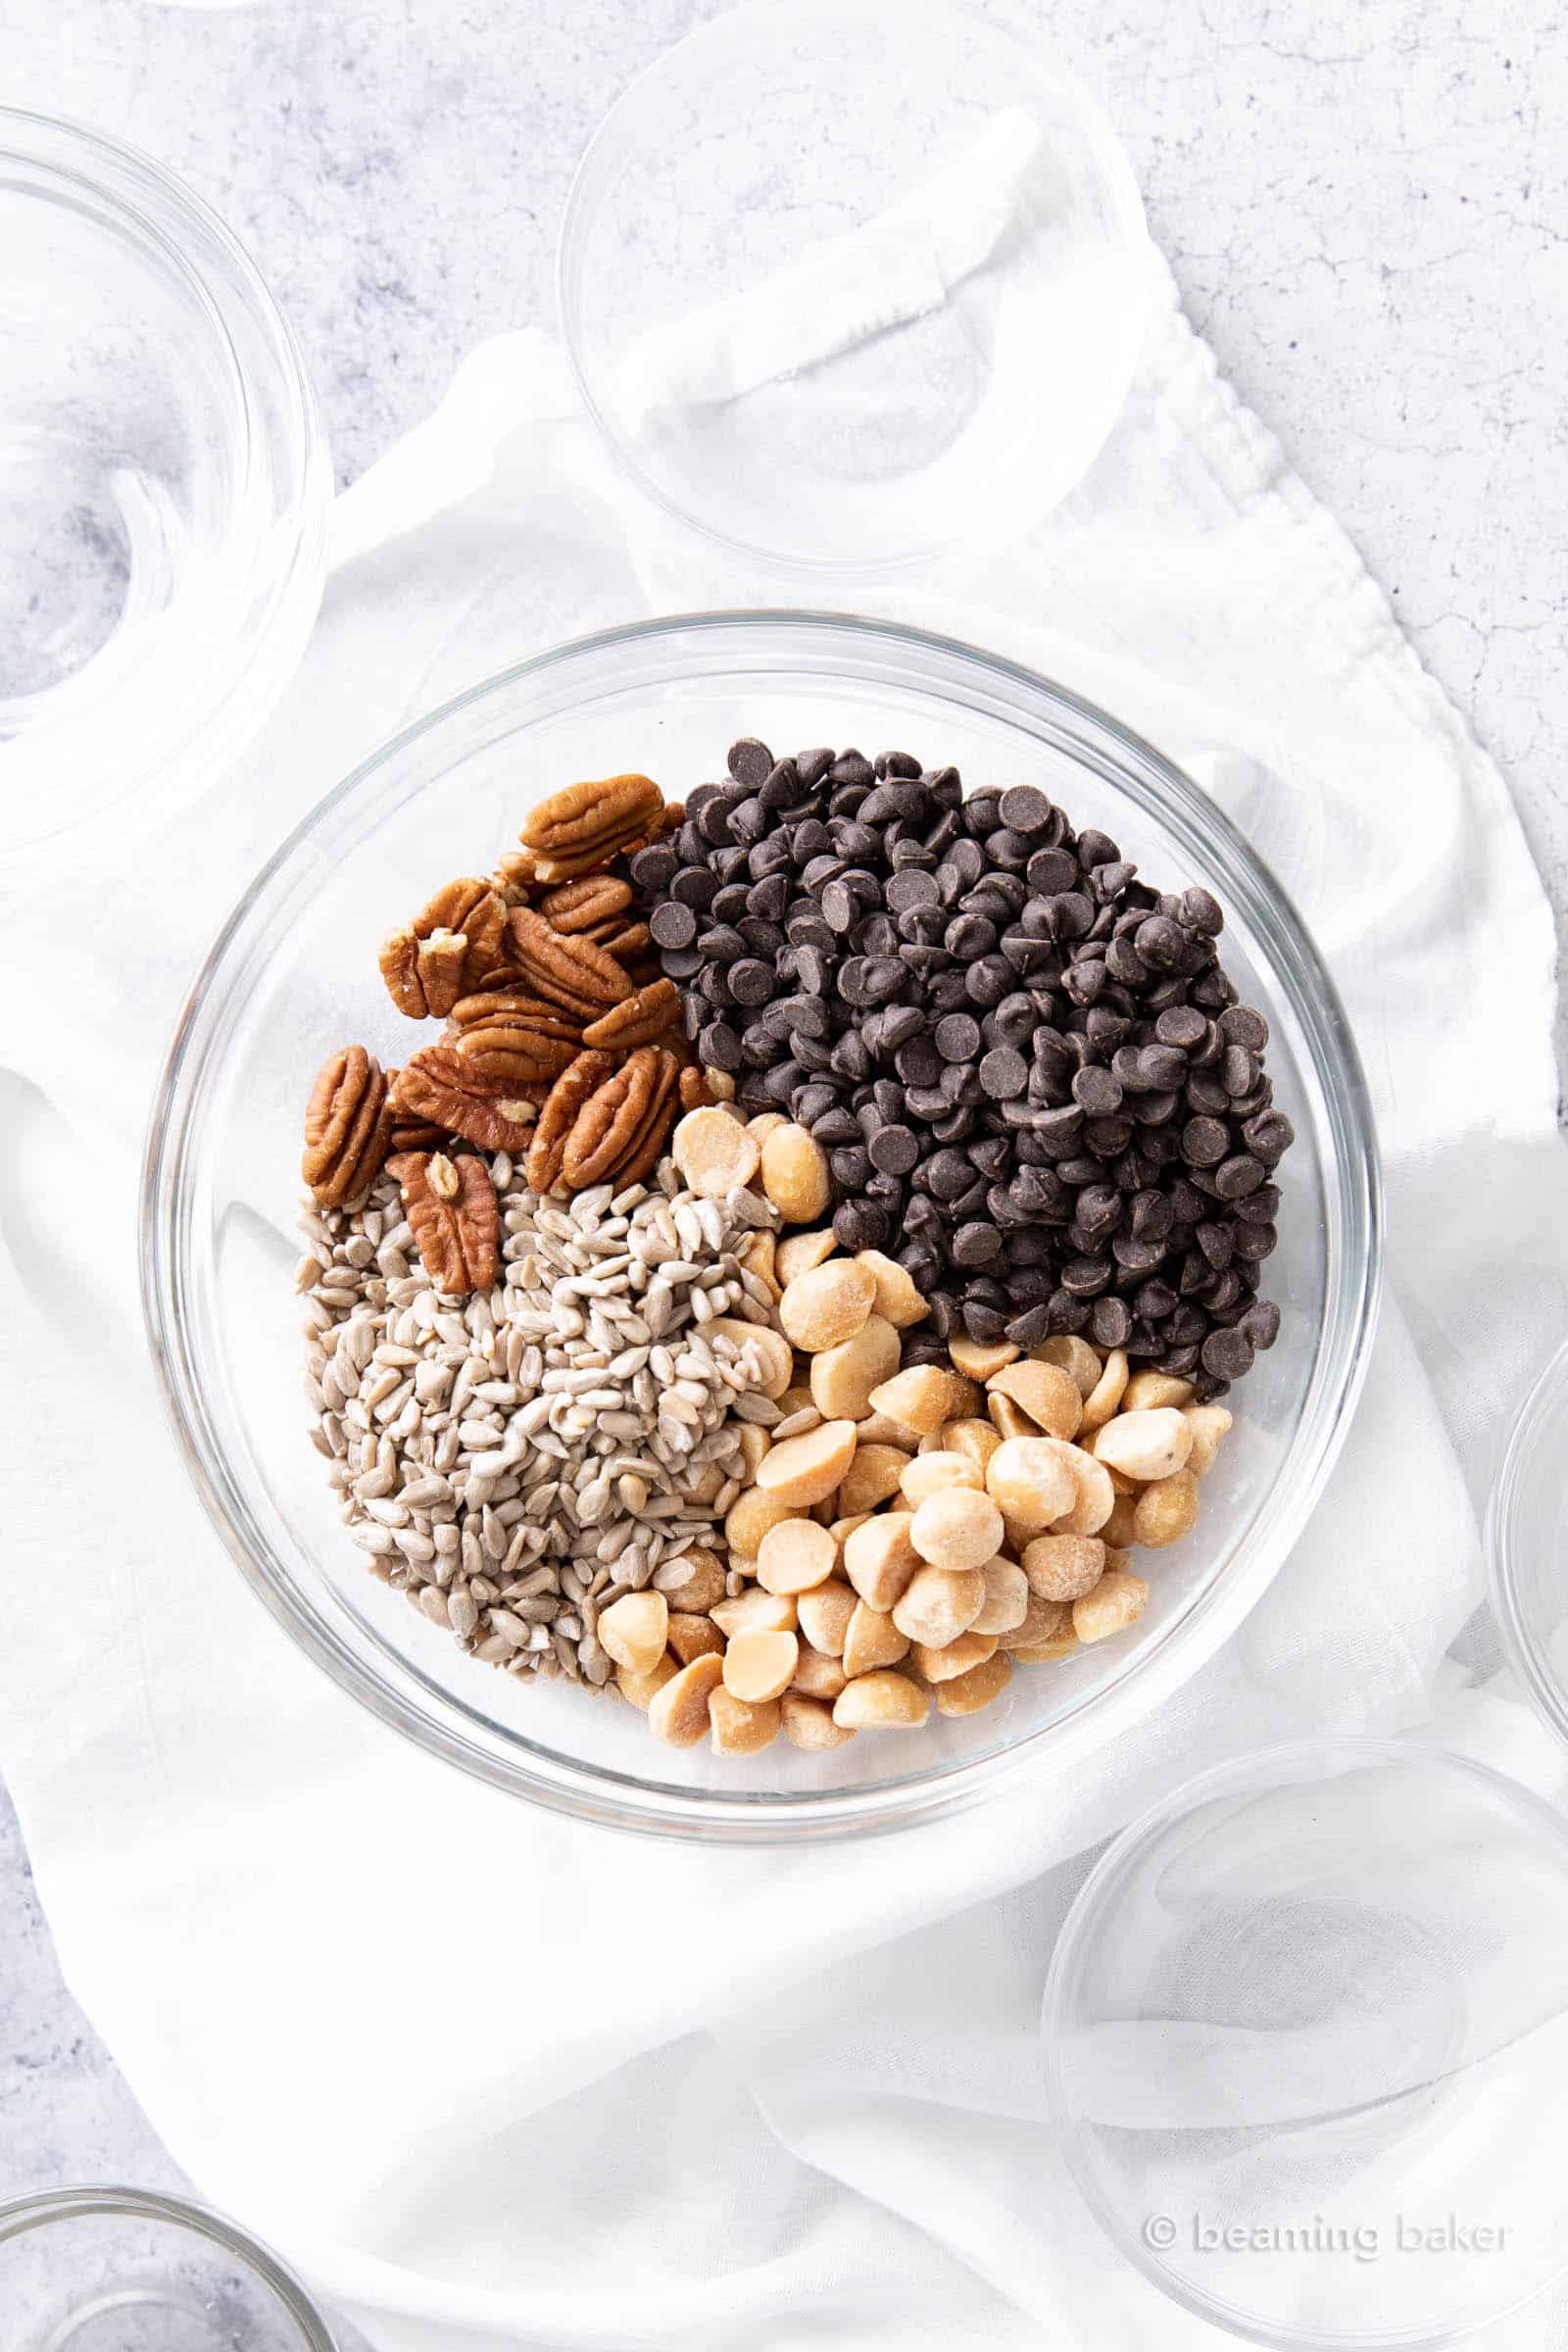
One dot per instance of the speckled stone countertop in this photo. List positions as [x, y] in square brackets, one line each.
[1366, 206]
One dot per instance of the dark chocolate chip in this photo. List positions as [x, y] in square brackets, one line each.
[958, 1037]
[673, 925]
[1003, 1072]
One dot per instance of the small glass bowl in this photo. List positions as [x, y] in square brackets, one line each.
[1527, 1544]
[294, 976]
[120, 2270]
[165, 481]
[1305, 2045]
[848, 290]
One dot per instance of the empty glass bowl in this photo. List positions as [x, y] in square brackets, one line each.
[165, 483]
[1527, 1544]
[119, 2270]
[294, 976]
[1306, 2047]
[846, 292]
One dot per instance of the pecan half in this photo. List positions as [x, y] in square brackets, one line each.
[440, 1085]
[503, 999]
[428, 963]
[585, 825]
[642, 1018]
[511, 1049]
[565, 1099]
[573, 973]
[595, 905]
[614, 1128]
[411, 1135]
[511, 1035]
[417, 1135]
[451, 1205]
[347, 1127]
[695, 1091]
[647, 1146]
[627, 944]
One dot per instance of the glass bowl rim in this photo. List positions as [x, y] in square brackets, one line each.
[748, 1816]
[1252, 1767]
[1548, 1392]
[585, 194]
[85, 2201]
[285, 559]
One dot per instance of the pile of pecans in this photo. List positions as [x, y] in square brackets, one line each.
[801, 1271]
[562, 1041]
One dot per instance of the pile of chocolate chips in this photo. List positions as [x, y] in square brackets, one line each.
[1033, 1080]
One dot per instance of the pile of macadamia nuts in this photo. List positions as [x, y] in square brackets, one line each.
[911, 1532]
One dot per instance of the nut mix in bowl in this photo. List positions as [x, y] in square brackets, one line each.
[1041, 1091]
[714, 1278]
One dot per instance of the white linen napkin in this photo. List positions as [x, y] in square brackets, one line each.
[497, 2079]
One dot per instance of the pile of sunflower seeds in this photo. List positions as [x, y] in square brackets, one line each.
[517, 1461]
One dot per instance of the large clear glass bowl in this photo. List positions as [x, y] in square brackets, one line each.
[293, 975]
[164, 485]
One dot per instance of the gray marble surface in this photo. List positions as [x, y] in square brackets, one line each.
[1365, 202]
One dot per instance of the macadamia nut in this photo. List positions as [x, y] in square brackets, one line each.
[809, 1723]
[798, 1252]
[1166, 1510]
[1116, 1601]
[898, 1300]
[879, 1557]
[957, 1528]
[934, 1472]
[795, 1174]
[924, 1395]
[969, 1692]
[805, 1470]
[886, 1701]
[874, 1474]
[938, 1604]
[827, 1305]
[714, 1153]
[1030, 1480]
[1147, 1445]
[872, 1640]
[1007, 1597]
[843, 1377]
[1045, 1392]
[1073, 1357]
[795, 1556]
[678, 1713]
[1063, 1567]
[741, 1726]
[758, 1666]
[824, 1615]
[634, 1630]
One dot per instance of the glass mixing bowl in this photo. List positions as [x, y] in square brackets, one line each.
[1302, 2035]
[849, 311]
[294, 976]
[1527, 1544]
[165, 483]
[121, 2270]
